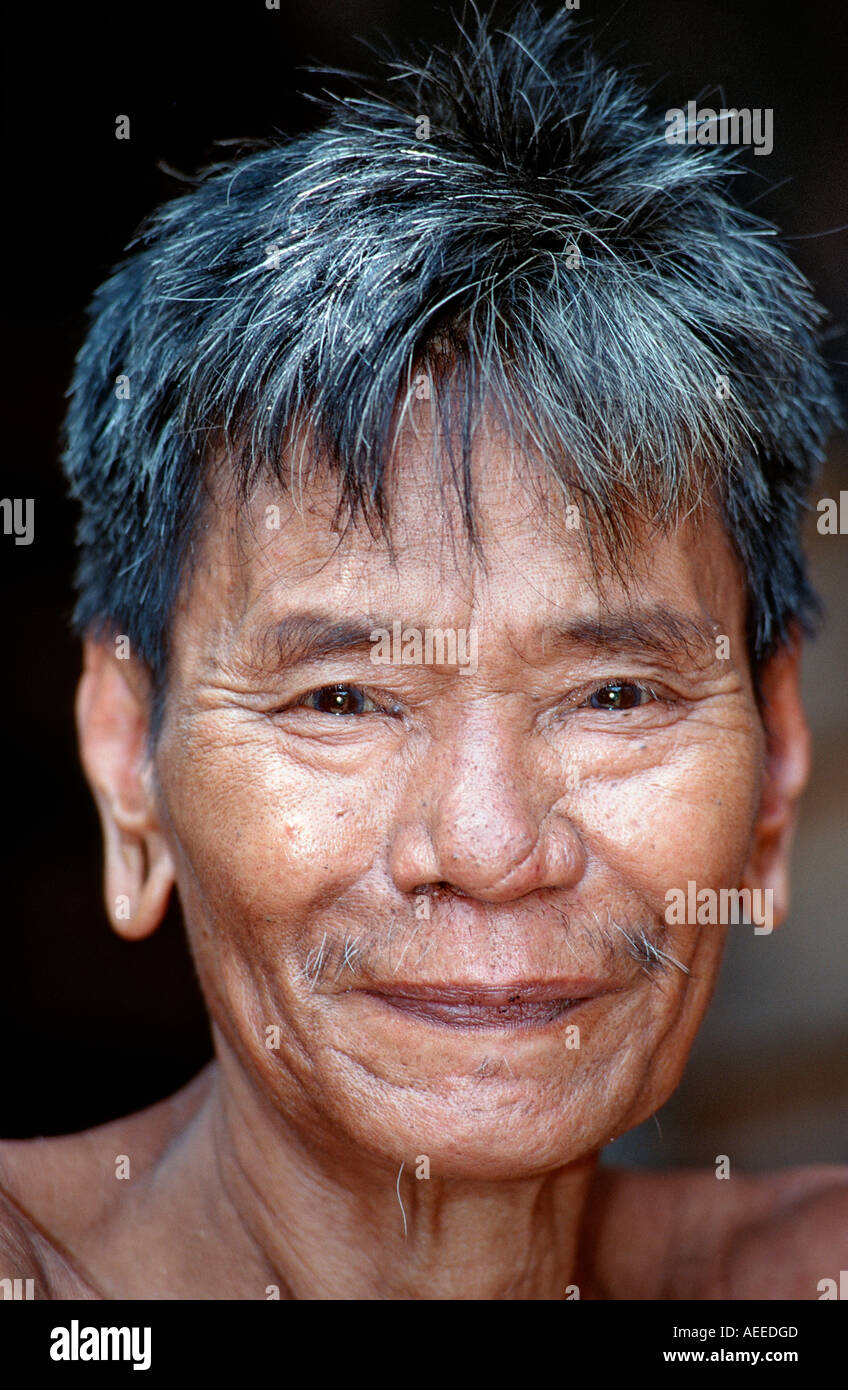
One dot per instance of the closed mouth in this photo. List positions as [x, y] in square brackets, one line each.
[508, 1007]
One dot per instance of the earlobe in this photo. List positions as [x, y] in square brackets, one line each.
[786, 773]
[112, 722]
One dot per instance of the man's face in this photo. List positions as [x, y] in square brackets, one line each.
[430, 879]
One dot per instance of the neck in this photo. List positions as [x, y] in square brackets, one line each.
[331, 1224]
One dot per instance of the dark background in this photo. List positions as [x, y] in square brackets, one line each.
[94, 1027]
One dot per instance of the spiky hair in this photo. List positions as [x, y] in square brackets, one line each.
[545, 246]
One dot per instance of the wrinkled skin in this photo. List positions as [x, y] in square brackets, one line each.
[487, 828]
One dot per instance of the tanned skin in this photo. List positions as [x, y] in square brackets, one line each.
[540, 805]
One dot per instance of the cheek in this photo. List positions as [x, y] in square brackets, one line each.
[657, 819]
[268, 857]
[262, 837]
[660, 818]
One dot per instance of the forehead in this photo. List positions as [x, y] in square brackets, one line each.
[533, 550]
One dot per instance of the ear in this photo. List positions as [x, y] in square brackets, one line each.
[786, 773]
[112, 710]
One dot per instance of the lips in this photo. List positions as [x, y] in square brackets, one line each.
[520, 1005]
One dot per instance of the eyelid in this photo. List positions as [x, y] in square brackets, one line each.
[648, 686]
[390, 705]
[384, 703]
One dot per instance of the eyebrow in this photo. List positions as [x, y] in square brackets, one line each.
[655, 630]
[307, 637]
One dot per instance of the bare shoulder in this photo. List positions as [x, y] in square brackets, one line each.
[693, 1235]
[793, 1237]
[31, 1266]
[22, 1271]
[53, 1190]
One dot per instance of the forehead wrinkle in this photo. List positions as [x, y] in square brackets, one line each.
[306, 545]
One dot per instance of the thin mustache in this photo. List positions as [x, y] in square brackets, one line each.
[331, 959]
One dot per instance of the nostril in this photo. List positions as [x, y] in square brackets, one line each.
[452, 890]
[433, 889]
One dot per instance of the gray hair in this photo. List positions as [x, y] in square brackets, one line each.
[545, 250]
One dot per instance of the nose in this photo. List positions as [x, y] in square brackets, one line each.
[480, 816]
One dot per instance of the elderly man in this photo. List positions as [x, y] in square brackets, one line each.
[441, 475]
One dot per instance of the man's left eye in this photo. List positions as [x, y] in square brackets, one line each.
[620, 695]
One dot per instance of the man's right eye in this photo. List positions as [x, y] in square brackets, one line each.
[340, 699]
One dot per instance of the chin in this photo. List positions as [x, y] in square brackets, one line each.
[487, 1139]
